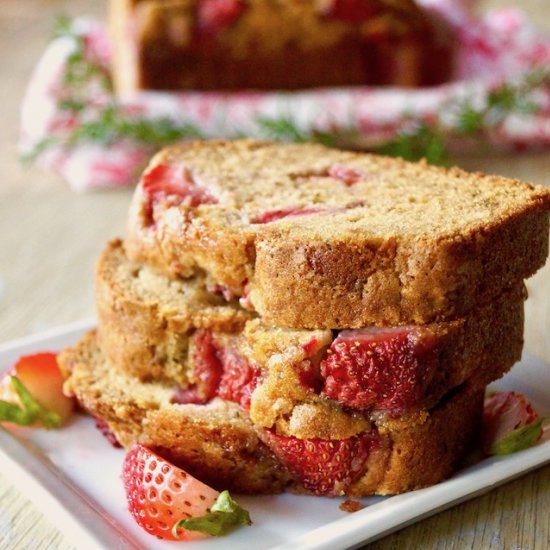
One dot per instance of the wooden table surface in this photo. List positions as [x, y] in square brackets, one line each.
[50, 237]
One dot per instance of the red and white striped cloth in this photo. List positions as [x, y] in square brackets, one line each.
[499, 47]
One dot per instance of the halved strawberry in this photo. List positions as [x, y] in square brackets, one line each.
[323, 467]
[510, 423]
[171, 504]
[32, 391]
[216, 15]
[384, 369]
[174, 184]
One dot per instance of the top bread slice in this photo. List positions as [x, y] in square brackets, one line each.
[314, 237]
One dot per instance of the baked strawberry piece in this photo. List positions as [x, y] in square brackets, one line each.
[218, 371]
[215, 15]
[323, 467]
[171, 504]
[172, 184]
[385, 369]
[350, 11]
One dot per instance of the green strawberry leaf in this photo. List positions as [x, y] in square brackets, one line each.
[224, 516]
[30, 410]
[519, 439]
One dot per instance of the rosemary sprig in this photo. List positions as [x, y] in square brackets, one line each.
[105, 121]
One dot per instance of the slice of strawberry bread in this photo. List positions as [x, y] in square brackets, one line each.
[306, 383]
[312, 237]
[218, 443]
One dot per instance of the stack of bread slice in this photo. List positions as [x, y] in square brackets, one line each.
[288, 316]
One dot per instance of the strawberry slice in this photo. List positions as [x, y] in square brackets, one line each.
[215, 15]
[350, 11]
[321, 466]
[171, 504]
[239, 378]
[510, 423]
[33, 392]
[385, 369]
[174, 184]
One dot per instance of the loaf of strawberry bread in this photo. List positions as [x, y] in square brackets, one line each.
[218, 443]
[266, 44]
[317, 238]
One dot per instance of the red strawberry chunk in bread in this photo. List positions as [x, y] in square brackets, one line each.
[216, 15]
[274, 215]
[218, 371]
[207, 371]
[350, 11]
[174, 184]
[239, 378]
[386, 369]
[345, 174]
[321, 466]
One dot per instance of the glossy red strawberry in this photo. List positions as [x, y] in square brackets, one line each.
[215, 15]
[350, 11]
[38, 392]
[159, 494]
[323, 467]
[384, 369]
[171, 504]
[174, 184]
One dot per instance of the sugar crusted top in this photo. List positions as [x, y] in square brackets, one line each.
[328, 193]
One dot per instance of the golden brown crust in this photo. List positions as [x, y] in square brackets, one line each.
[219, 444]
[425, 454]
[406, 244]
[275, 45]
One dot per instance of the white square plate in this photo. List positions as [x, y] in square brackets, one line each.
[73, 476]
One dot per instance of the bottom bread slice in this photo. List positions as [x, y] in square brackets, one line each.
[219, 444]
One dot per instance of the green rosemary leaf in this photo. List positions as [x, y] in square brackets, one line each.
[28, 157]
[283, 129]
[62, 26]
[469, 120]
